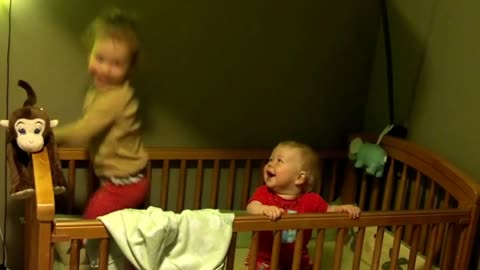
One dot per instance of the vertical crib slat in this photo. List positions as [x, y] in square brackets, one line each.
[231, 251]
[432, 239]
[412, 258]
[74, 254]
[441, 228]
[260, 179]
[428, 205]
[446, 200]
[246, 183]
[459, 249]
[197, 201]
[253, 252]
[357, 256]
[363, 191]
[375, 194]
[339, 242]
[231, 184]
[148, 175]
[165, 182]
[416, 191]
[413, 204]
[91, 179]
[319, 183]
[103, 254]
[377, 250]
[349, 183]
[277, 242]
[71, 185]
[182, 179]
[396, 247]
[317, 260]
[297, 252]
[399, 204]
[215, 180]
[333, 181]
[387, 198]
[449, 250]
[431, 195]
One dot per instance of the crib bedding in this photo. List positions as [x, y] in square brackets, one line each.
[157, 239]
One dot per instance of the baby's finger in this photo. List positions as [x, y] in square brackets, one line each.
[275, 216]
[278, 212]
[273, 213]
[356, 212]
[350, 212]
[270, 214]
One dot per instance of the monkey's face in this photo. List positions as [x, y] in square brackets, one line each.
[30, 134]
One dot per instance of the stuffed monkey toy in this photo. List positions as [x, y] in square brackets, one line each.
[29, 131]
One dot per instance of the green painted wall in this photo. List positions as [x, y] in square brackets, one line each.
[213, 73]
[3, 105]
[436, 49]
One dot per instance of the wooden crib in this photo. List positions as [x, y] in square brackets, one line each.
[424, 210]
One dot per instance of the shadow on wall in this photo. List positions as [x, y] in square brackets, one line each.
[248, 73]
[410, 27]
[435, 55]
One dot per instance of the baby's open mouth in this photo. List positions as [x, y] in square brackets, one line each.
[270, 174]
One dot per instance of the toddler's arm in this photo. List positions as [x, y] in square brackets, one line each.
[257, 208]
[352, 210]
[101, 113]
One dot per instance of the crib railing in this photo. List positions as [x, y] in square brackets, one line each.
[454, 219]
[422, 198]
[382, 220]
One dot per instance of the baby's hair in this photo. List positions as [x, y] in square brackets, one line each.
[309, 163]
[117, 25]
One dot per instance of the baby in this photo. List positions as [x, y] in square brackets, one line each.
[289, 176]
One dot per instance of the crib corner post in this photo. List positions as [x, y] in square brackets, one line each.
[39, 216]
[38, 252]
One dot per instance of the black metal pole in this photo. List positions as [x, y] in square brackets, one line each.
[388, 59]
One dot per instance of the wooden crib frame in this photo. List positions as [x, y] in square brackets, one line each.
[426, 203]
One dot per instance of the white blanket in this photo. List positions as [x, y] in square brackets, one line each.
[154, 239]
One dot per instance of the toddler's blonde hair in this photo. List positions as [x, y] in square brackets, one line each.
[117, 25]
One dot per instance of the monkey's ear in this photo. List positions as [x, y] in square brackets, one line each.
[53, 123]
[4, 123]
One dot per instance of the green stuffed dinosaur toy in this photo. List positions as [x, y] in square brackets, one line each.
[370, 156]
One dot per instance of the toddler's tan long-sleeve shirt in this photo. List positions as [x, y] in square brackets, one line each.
[109, 128]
